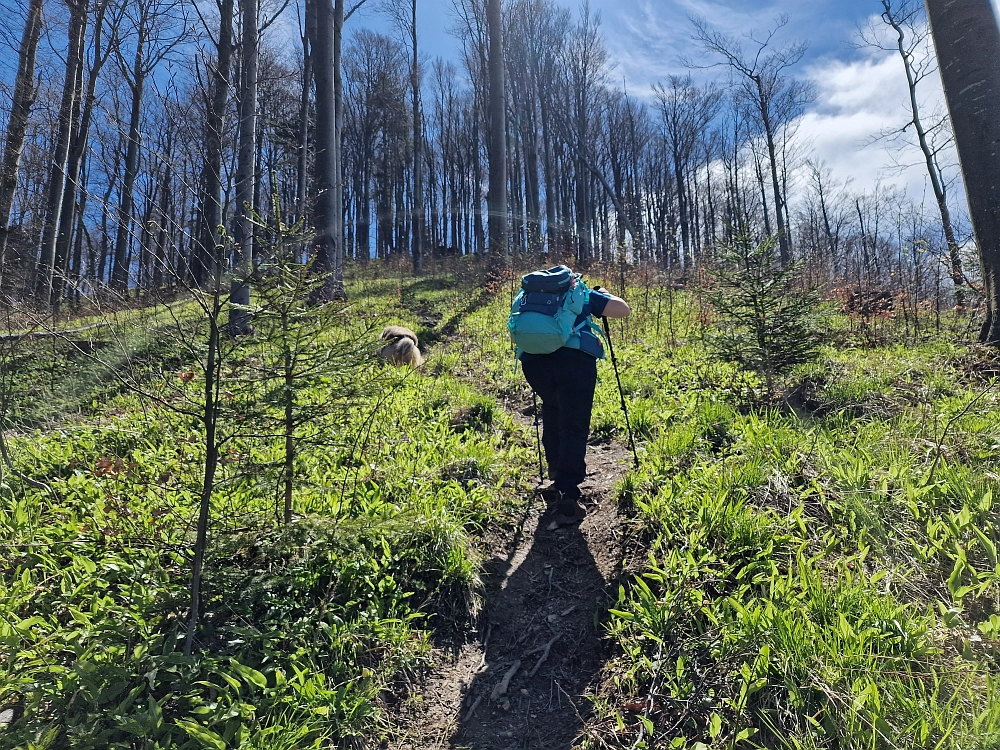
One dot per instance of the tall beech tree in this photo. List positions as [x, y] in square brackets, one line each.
[246, 172]
[78, 145]
[17, 123]
[967, 40]
[325, 21]
[68, 112]
[499, 246]
[206, 261]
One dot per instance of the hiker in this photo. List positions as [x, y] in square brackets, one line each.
[562, 370]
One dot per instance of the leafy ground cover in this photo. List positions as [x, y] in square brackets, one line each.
[822, 566]
[819, 564]
[304, 625]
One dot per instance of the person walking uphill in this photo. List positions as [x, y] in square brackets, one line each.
[558, 345]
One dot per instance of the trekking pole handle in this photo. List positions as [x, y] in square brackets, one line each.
[607, 334]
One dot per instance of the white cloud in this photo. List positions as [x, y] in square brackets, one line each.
[857, 100]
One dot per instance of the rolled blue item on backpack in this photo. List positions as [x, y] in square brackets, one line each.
[553, 280]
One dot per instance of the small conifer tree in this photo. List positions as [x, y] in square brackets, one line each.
[765, 320]
[303, 359]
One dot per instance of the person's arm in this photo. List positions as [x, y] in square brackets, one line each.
[616, 307]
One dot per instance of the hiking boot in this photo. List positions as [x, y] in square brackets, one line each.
[569, 512]
[549, 494]
[555, 498]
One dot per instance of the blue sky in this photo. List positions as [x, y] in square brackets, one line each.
[860, 92]
[646, 37]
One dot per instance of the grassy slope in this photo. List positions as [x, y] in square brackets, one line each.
[305, 625]
[818, 576]
[823, 577]
[826, 578]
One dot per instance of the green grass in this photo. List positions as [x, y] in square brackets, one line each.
[818, 571]
[823, 571]
[304, 625]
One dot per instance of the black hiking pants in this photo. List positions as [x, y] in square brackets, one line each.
[565, 381]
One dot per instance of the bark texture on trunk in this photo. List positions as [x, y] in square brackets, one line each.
[246, 172]
[303, 160]
[328, 29]
[120, 270]
[967, 41]
[77, 151]
[206, 264]
[498, 135]
[17, 123]
[418, 145]
[210, 420]
[57, 174]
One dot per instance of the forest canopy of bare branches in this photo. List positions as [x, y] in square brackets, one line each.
[139, 132]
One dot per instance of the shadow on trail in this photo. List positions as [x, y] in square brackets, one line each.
[443, 329]
[541, 613]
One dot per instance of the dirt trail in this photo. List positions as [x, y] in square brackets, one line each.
[538, 637]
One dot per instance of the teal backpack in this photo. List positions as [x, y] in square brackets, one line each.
[552, 310]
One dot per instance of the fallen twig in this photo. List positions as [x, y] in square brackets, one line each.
[475, 705]
[51, 334]
[486, 643]
[545, 654]
[501, 687]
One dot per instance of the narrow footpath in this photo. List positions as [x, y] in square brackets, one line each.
[523, 680]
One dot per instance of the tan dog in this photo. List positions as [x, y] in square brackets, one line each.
[402, 349]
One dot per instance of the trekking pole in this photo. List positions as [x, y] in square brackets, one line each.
[538, 440]
[621, 393]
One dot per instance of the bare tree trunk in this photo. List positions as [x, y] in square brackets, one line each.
[246, 176]
[967, 41]
[206, 265]
[477, 180]
[57, 174]
[120, 269]
[81, 228]
[78, 147]
[288, 472]
[933, 171]
[160, 258]
[550, 182]
[17, 124]
[418, 145]
[303, 161]
[682, 209]
[210, 419]
[784, 250]
[532, 201]
[498, 136]
[329, 256]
